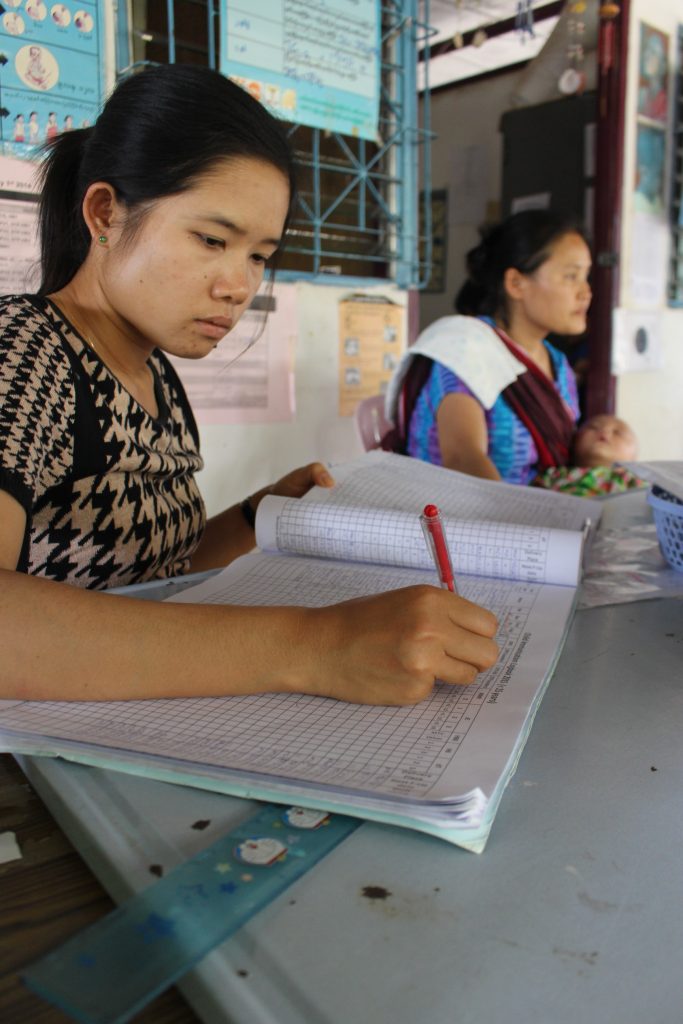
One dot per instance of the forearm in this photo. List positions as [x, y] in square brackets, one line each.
[463, 436]
[474, 463]
[63, 643]
[226, 536]
[229, 535]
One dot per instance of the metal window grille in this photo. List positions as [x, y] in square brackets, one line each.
[358, 214]
[676, 274]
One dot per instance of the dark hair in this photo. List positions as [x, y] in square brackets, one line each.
[522, 241]
[158, 132]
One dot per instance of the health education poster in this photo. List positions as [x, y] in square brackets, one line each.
[371, 343]
[650, 233]
[652, 119]
[50, 70]
[313, 62]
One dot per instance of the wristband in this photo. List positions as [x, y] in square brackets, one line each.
[247, 510]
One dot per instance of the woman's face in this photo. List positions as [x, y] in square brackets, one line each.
[184, 278]
[555, 298]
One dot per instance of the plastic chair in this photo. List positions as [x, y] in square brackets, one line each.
[371, 422]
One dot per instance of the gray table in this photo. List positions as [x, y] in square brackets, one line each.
[572, 915]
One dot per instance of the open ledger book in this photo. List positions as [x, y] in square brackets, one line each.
[440, 766]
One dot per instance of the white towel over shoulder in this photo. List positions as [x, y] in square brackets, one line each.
[470, 349]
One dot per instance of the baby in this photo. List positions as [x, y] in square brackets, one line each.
[598, 444]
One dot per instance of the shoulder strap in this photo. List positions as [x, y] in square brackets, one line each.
[535, 400]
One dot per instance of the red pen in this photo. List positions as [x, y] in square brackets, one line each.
[436, 542]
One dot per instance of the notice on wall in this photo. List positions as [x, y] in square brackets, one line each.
[19, 249]
[249, 376]
[636, 341]
[313, 62]
[470, 184]
[52, 73]
[19, 253]
[649, 260]
[371, 343]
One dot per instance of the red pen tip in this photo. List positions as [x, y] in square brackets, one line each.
[430, 511]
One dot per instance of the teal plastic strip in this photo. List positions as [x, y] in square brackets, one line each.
[111, 970]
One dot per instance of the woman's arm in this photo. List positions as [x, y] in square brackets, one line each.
[463, 436]
[228, 534]
[60, 642]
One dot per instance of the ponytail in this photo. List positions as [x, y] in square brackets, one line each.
[64, 237]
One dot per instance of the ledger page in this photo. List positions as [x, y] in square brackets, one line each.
[459, 740]
[384, 480]
[388, 536]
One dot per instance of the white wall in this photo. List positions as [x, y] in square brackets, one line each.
[652, 401]
[240, 459]
[466, 121]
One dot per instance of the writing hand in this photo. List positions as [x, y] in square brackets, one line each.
[391, 648]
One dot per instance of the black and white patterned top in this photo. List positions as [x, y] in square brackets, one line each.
[109, 491]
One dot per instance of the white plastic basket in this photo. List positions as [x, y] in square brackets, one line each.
[668, 513]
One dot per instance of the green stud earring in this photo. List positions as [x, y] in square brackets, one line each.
[103, 239]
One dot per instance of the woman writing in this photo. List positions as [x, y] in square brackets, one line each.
[155, 241]
[490, 396]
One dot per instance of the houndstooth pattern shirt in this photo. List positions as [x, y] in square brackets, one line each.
[108, 490]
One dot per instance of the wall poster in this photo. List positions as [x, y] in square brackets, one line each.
[649, 226]
[51, 70]
[652, 121]
[19, 251]
[371, 343]
[314, 62]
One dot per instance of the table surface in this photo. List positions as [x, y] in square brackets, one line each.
[572, 914]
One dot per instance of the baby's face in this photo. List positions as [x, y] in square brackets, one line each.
[603, 440]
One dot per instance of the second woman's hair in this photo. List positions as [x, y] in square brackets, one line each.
[522, 241]
[158, 132]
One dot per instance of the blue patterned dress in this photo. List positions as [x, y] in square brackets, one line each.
[511, 447]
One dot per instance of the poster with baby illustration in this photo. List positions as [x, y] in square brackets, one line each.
[51, 74]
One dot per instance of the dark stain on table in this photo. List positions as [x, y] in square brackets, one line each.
[375, 892]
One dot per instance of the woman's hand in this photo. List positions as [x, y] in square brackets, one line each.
[297, 483]
[393, 647]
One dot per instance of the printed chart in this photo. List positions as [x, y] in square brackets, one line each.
[314, 62]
